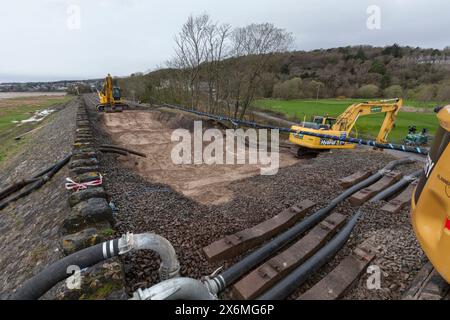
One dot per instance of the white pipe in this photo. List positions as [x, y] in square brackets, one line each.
[170, 267]
[176, 289]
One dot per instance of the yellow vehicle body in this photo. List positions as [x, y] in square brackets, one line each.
[319, 143]
[344, 124]
[430, 207]
[110, 97]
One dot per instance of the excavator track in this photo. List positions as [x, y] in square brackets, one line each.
[304, 153]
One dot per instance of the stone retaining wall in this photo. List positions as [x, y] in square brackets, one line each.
[91, 220]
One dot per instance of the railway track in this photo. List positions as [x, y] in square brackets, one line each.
[290, 256]
[268, 275]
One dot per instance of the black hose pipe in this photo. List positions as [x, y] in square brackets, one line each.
[289, 284]
[386, 193]
[109, 146]
[47, 170]
[297, 277]
[16, 186]
[38, 182]
[111, 150]
[237, 270]
[38, 285]
[372, 143]
[50, 276]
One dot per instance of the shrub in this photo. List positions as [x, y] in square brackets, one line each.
[289, 89]
[443, 91]
[394, 91]
[368, 91]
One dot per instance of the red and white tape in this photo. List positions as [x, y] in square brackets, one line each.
[72, 185]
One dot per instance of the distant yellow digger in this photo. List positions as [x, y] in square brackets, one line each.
[110, 97]
[342, 126]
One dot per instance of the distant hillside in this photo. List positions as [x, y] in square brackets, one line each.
[358, 71]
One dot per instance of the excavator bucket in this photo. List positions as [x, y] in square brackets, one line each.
[431, 200]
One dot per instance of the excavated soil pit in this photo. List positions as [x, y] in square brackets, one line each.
[150, 132]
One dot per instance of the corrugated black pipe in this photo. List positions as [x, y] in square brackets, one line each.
[36, 286]
[296, 278]
[237, 270]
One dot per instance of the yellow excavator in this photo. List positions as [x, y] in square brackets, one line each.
[430, 205]
[110, 97]
[341, 126]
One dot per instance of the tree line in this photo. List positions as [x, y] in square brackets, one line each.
[218, 68]
[214, 65]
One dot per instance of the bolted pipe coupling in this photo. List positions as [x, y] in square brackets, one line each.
[176, 289]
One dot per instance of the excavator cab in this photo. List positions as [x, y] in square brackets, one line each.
[324, 122]
[117, 95]
[430, 205]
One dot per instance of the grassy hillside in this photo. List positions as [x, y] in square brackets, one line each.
[367, 126]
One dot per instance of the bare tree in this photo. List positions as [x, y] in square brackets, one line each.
[192, 51]
[257, 43]
[224, 67]
[217, 36]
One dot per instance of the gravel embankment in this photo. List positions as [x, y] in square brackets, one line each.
[150, 207]
[29, 227]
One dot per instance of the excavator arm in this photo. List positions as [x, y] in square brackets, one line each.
[105, 94]
[110, 97]
[347, 120]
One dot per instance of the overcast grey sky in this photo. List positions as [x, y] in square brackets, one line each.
[42, 40]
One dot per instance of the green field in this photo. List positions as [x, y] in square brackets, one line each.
[368, 126]
[17, 109]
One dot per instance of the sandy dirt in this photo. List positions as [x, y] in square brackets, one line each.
[150, 132]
